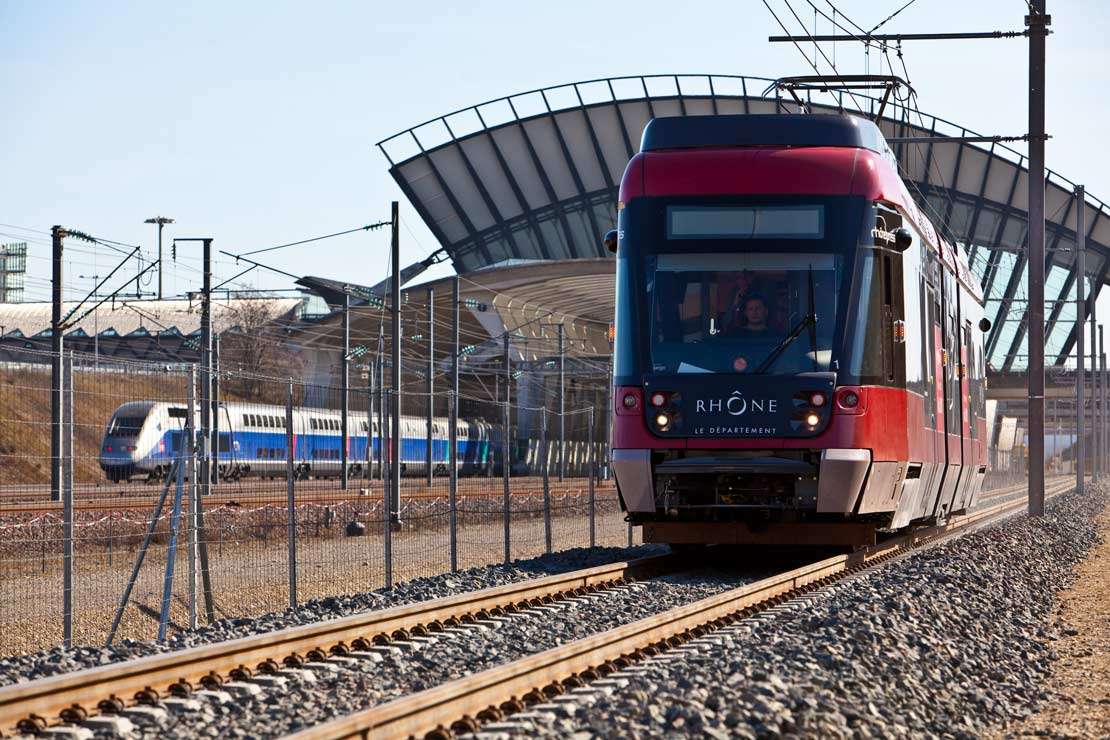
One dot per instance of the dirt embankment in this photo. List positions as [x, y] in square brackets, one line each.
[25, 417]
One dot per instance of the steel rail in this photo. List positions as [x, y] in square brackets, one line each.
[70, 697]
[320, 494]
[462, 704]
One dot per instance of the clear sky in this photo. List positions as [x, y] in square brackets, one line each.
[255, 122]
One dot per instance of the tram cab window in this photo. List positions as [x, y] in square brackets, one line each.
[761, 312]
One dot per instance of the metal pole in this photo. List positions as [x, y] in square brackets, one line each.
[67, 505]
[56, 235]
[1096, 425]
[395, 409]
[545, 447]
[430, 384]
[383, 434]
[1080, 306]
[505, 421]
[160, 225]
[562, 403]
[1096, 410]
[190, 430]
[215, 408]
[454, 431]
[387, 496]
[171, 547]
[345, 390]
[1037, 21]
[1105, 437]
[497, 397]
[370, 368]
[590, 459]
[290, 495]
[206, 425]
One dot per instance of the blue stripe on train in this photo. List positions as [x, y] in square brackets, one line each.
[251, 446]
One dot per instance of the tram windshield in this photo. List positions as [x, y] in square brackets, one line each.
[743, 313]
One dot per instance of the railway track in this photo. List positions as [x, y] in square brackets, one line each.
[73, 697]
[462, 706]
[277, 495]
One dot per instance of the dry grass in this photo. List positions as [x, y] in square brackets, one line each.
[25, 417]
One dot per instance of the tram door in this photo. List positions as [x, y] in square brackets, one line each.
[953, 421]
[932, 471]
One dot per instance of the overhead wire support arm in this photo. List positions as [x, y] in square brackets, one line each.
[66, 323]
[867, 38]
[99, 285]
[235, 277]
[964, 139]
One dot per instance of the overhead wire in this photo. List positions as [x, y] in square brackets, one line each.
[890, 17]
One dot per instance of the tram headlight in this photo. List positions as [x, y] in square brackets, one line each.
[812, 419]
[630, 400]
[849, 399]
[658, 399]
[662, 420]
[817, 399]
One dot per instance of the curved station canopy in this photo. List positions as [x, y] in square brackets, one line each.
[534, 176]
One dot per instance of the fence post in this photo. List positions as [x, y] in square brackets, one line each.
[290, 494]
[430, 388]
[382, 435]
[506, 421]
[171, 548]
[546, 481]
[387, 494]
[67, 498]
[590, 470]
[215, 435]
[190, 431]
[345, 390]
[453, 434]
[369, 424]
[562, 402]
[453, 485]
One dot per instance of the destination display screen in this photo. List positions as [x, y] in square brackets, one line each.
[746, 222]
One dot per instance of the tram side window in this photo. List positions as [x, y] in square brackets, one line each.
[887, 328]
[869, 352]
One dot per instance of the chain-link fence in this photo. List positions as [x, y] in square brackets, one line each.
[131, 506]
[299, 501]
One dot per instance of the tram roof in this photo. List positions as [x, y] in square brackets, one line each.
[769, 129]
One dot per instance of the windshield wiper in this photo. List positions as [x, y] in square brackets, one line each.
[809, 320]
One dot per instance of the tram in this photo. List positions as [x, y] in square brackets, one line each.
[798, 354]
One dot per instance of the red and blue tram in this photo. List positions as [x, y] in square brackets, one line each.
[798, 354]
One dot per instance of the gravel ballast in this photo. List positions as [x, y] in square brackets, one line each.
[949, 641]
[405, 668]
[59, 660]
